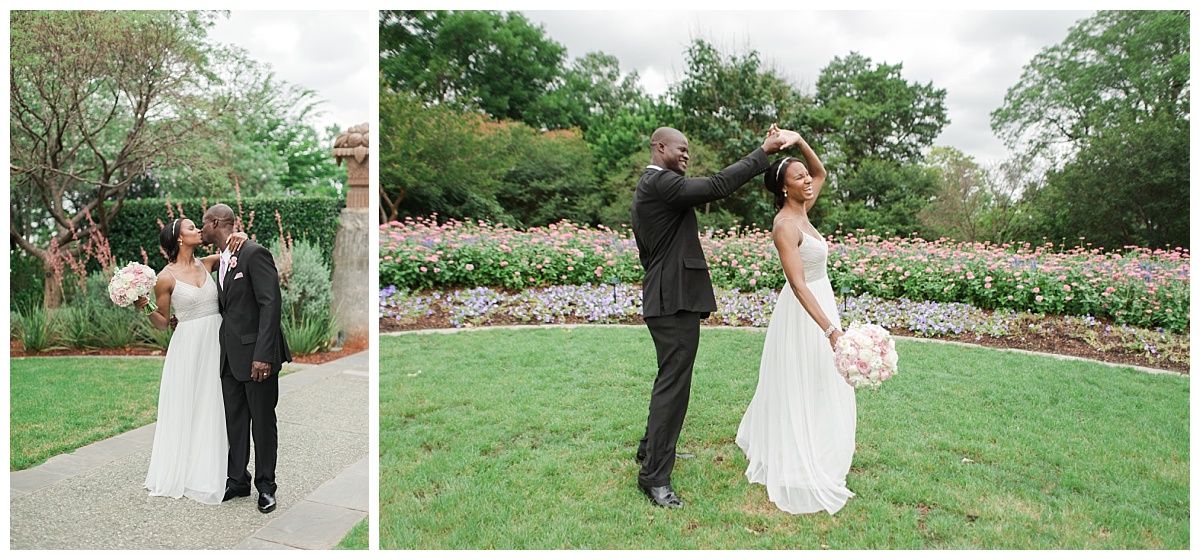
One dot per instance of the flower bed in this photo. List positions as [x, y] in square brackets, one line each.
[1134, 286]
[621, 304]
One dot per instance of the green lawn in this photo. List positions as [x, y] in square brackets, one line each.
[58, 405]
[358, 538]
[61, 404]
[525, 439]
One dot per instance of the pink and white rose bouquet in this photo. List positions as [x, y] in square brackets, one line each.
[865, 355]
[131, 282]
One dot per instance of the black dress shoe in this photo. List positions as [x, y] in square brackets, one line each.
[231, 493]
[662, 496]
[266, 502]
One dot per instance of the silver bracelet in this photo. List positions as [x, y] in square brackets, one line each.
[829, 331]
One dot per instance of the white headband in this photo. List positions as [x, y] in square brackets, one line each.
[782, 165]
[174, 227]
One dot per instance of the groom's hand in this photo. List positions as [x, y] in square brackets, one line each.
[260, 371]
[790, 138]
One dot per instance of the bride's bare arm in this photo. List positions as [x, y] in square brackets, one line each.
[815, 170]
[161, 317]
[787, 243]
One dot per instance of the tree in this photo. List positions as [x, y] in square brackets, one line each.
[437, 159]
[265, 144]
[872, 113]
[960, 199]
[550, 179]
[97, 99]
[878, 195]
[1127, 186]
[728, 103]
[590, 89]
[499, 63]
[1117, 66]
[1108, 109]
[873, 126]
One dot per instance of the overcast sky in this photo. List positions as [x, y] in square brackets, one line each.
[332, 53]
[974, 55]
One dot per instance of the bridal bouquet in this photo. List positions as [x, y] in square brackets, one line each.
[865, 355]
[130, 283]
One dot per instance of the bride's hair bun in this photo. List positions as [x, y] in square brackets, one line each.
[169, 239]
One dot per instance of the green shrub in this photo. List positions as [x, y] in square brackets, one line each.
[36, 327]
[310, 333]
[305, 278]
[314, 219]
[26, 280]
[307, 291]
[76, 330]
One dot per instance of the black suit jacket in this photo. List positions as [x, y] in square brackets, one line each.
[250, 308]
[668, 239]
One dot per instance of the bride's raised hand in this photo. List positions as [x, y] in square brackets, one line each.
[236, 240]
[790, 138]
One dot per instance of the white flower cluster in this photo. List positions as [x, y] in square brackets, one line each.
[131, 282]
[866, 355]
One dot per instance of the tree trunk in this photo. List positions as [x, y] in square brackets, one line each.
[52, 293]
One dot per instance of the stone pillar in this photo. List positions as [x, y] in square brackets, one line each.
[351, 267]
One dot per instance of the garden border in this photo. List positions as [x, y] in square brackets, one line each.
[1143, 369]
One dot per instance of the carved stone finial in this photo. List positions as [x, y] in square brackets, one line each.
[355, 142]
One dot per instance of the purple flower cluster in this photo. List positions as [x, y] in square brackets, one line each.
[738, 309]
[927, 318]
[612, 303]
[474, 306]
[399, 303]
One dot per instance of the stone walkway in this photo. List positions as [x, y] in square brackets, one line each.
[93, 497]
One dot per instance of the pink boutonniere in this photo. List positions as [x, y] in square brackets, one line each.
[232, 262]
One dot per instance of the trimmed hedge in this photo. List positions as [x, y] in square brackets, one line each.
[314, 219]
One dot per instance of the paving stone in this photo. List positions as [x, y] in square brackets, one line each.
[349, 490]
[311, 526]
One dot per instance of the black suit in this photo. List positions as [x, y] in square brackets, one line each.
[677, 293]
[250, 331]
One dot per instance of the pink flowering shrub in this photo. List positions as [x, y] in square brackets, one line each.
[1135, 286]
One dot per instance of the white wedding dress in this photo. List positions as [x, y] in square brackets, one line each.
[191, 449]
[798, 432]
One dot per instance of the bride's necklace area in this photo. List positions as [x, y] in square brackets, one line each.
[185, 271]
[802, 220]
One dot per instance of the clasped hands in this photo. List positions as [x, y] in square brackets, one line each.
[779, 139]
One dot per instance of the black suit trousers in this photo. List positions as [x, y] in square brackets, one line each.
[676, 338]
[250, 409]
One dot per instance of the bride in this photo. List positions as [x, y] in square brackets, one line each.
[798, 432]
[190, 452]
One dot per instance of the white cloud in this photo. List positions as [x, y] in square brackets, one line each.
[329, 52]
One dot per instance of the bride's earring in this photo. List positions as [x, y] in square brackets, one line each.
[784, 194]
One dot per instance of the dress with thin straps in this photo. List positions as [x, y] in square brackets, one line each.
[190, 454]
[798, 432]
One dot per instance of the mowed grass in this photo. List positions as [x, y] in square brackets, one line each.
[60, 404]
[525, 439]
[358, 538]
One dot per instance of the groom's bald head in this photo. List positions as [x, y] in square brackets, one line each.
[669, 149]
[218, 225]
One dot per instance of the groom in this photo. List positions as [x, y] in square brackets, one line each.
[677, 291]
[252, 352]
